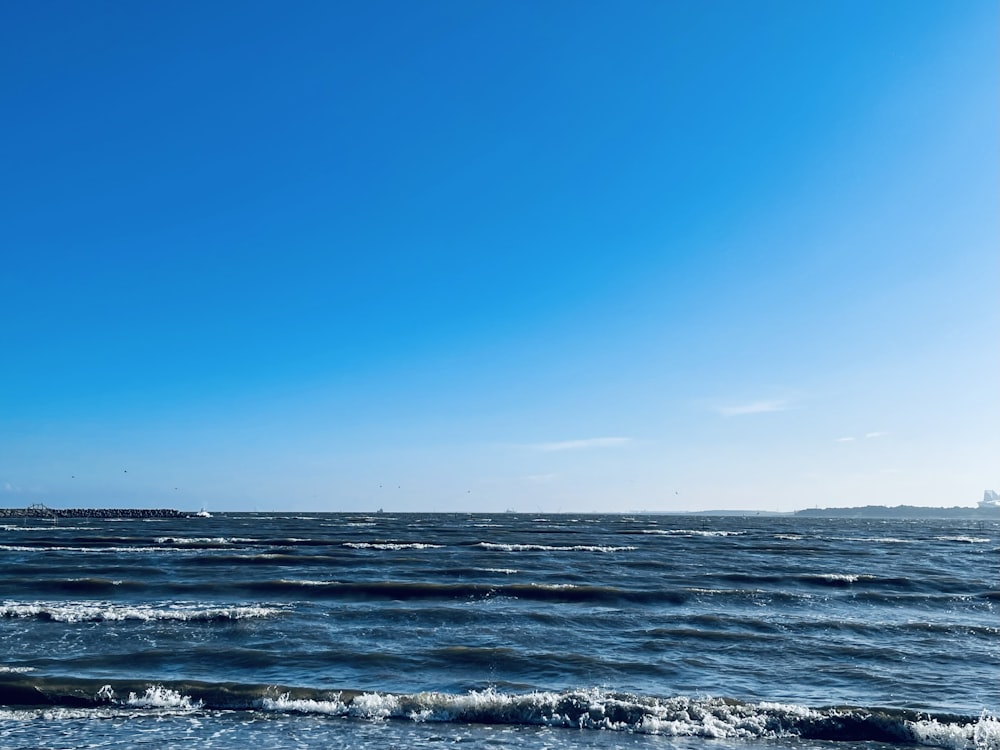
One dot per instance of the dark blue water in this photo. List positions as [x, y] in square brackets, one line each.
[498, 631]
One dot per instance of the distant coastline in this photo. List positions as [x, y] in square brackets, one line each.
[866, 511]
[979, 513]
[903, 511]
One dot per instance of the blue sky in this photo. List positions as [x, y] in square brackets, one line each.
[572, 256]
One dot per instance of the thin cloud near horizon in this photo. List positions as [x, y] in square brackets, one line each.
[753, 407]
[572, 445]
[868, 436]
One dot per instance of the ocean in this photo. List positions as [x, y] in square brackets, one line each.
[499, 631]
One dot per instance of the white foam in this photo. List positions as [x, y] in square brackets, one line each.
[305, 582]
[691, 532]
[392, 545]
[964, 539]
[372, 706]
[334, 706]
[375, 706]
[74, 612]
[551, 548]
[847, 577]
[202, 540]
[96, 550]
[984, 734]
[158, 696]
[53, 714]
[594, 709]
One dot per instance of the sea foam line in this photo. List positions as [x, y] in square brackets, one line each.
[221, 540]
[157, 696]
[691, 532]
[551, 548]
[710, 718]
[75, 612]
[964, 539]
[593, 709]
[392, 546]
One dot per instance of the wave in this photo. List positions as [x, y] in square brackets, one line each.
[877, 539]
[75, 612]
[155, 696]
[840, 579]
[834, 580]
[964, 539]
[199, 541]
[691, 532]
[392, 546]
[421, 591]
[551, 548]
[130, 549]
[590, 709]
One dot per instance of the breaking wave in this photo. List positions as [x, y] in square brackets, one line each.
[551, 548]
[691, 532]
[589, 709]
[392, 546]
[964, 539]
[74, 612]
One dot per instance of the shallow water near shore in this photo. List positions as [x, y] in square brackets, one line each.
[510, 630]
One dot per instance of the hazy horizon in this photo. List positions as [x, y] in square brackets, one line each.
[551, 257]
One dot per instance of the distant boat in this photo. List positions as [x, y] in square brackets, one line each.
[990, 501]
[203, 513]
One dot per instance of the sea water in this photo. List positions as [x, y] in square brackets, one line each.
[495, 631]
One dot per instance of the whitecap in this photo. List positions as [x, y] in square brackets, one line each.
[551, 548]
[964, 539]
[157, 696]
[983, 734]
[392, 546]
[691, 532]
[89, 611]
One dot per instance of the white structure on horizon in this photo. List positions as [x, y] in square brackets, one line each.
[990, 500]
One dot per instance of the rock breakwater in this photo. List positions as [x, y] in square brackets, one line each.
[98, 513]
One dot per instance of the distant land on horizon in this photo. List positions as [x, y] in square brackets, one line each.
[865, 511]
[904, 511]
[980, 512]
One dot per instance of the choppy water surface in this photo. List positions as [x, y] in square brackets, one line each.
[499, 631]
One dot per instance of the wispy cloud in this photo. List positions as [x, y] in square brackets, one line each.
[539, 478]
[575, 445]
[752, 407]
[868, 436]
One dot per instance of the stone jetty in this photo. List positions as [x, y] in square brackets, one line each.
[43, 511]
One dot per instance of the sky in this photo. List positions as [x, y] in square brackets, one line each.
[475, 256]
